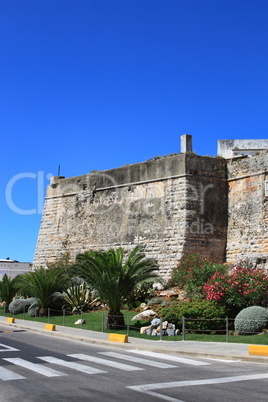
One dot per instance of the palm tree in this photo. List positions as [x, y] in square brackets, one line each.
[42, 284]
[8, 289]
[114, 275]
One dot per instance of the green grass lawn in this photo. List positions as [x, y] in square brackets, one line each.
[250, 339]
[95, 321]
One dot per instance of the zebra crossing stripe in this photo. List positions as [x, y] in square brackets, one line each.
[37, 368]
[169, 357]
[104, 362]
[221, 360]
[135, 359]
[72, 365]
[7, 375]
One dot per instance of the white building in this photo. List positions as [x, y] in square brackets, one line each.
[13, 268]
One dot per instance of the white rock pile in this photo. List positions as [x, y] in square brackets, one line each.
[155, 328]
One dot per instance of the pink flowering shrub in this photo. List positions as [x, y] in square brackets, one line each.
[192, 272]
[244, 287]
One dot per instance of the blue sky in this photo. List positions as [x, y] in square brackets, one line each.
[96, 84]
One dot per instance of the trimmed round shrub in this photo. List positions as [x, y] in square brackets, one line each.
[251, 320]
[18, 306]
[213, 315]
[33, 310]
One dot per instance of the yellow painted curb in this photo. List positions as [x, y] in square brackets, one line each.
[50, 327]
[258, 350]
[118, 338]
[11, 320]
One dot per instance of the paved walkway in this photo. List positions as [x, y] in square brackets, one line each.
[219, 350]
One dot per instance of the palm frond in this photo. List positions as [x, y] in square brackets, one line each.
[114, 274]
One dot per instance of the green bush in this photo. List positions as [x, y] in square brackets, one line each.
[192, 272]
[139, 295]
[251, 319]
[19, 306]
[155, 300]
[57, 301]
[204, 309]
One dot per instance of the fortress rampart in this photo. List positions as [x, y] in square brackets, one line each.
[173, 205]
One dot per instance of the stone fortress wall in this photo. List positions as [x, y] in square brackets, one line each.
[173, 205]
[247, 235]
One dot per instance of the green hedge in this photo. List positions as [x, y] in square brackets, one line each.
[203, 309]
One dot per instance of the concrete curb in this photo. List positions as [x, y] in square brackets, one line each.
[153, 346]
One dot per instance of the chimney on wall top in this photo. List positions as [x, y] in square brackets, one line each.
[186, 143]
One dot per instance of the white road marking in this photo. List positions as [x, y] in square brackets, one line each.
[169, 357]
[7, 348]
[109, 363]
[73, 365]
[221, 360]
[149, 389]
[37, 368]
[7, 375]
[138, 360]
[156, 395]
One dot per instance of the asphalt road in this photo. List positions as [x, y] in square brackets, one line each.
[36, 367]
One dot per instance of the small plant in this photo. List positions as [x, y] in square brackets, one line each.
[154, 158]
[218, 169]
[77, 297]
[140, 294]
[251, 320]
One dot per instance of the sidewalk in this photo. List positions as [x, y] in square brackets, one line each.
[217, 350]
